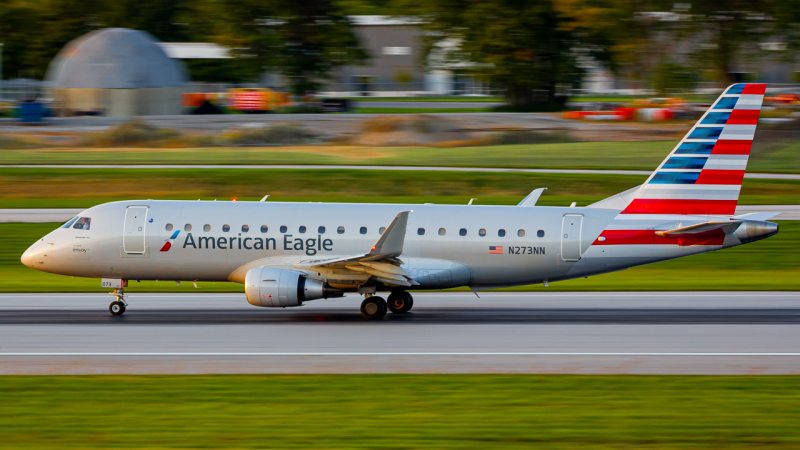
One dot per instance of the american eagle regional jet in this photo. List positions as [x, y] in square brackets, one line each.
[286, 254]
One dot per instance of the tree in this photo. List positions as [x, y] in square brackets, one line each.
[527, 47]
[305, 41]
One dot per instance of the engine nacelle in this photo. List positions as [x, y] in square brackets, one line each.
[277, 287]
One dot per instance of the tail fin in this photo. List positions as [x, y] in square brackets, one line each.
[703, 174]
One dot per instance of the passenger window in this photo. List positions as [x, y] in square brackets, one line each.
[462, 232]
[521, 233]
[340, 230]
[82, 223]
[187, 227]
[420, 231]
[540, 233]
[71, 221]
[206, 228]
[363, 230]
[501, 232]
[283, 228]
[245, 228]
[482, 232]
[168, 227]
[381, 230]
[442, 231]
[321, 230]
[302, 228]
[264, 228]
[226, 228]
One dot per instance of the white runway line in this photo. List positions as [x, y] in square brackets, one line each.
[399, 354]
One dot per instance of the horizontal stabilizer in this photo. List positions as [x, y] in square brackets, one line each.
[727, 226]
[758, 216]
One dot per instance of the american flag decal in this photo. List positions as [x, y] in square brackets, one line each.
[495, 249]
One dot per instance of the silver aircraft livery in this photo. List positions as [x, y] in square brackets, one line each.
[286, 254]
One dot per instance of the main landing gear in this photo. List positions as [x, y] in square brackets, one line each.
[400, 302]
[374, 307]
[117, 307]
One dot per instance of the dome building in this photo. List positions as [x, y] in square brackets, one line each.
[116, 72]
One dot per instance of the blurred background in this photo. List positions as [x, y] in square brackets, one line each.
[187, 89]
[152, 57]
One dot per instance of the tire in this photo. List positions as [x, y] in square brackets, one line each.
[116, 308]
[373, 308]
[400, 302]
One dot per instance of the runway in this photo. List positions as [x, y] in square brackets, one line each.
[660, 332]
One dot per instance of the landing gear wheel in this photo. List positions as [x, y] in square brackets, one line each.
[116, 308]
[400, 302]
[373, 308]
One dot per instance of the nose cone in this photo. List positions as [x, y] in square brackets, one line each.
[32, 256]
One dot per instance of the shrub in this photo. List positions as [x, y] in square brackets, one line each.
[279, 134]
[135, 133]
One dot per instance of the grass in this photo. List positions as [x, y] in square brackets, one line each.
[770, 264]
[400, 411]
[692, 98]
[783, 158]
[412, 110]
[56, 187]
[438, 99]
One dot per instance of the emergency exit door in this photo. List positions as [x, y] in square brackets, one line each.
[133, 234]
[571, 237]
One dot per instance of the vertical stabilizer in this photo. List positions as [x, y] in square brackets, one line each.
[703, 174]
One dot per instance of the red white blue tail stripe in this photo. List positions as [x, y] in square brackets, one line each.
[703, 174]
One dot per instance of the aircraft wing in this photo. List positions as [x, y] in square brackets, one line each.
[380, 262]
[728, 226]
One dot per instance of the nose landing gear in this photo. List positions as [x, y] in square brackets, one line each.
[117, 307]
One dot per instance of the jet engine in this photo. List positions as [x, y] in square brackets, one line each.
[754, 230]
[278, 287]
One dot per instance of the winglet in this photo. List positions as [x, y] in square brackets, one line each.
[391, 241]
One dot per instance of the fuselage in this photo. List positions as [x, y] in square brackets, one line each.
[445, 245]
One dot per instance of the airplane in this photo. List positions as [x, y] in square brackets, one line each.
[286, 253]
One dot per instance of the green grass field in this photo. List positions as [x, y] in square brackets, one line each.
[62, 188]
[401, 412]
[770, 264]
[783, 158]
[438, 99]
[412, 110]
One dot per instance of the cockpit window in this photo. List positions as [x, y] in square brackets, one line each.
[70, 222]
[82, 223]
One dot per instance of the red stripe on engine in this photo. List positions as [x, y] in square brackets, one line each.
[731, 147]
[674, 206]
[744, 117]
[649, 237]
[709, 176]
[754, 89]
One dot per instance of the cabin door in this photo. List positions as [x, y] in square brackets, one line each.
[571, 237]
[133, 234]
